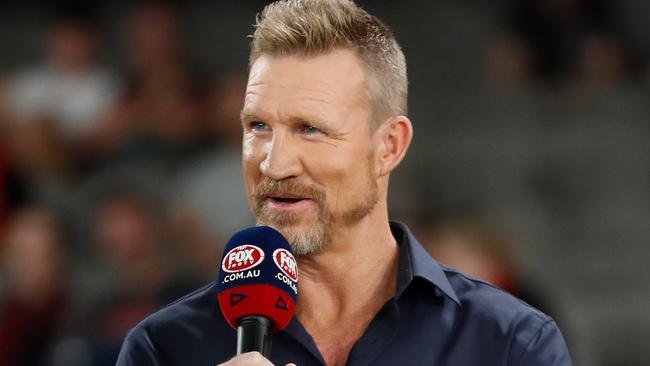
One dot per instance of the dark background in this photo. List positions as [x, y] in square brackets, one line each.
[531, 117]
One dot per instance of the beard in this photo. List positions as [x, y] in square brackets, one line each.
[316, 237]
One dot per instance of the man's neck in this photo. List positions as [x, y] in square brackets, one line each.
[342, 289]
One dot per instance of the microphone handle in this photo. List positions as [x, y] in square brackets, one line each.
[254, 334]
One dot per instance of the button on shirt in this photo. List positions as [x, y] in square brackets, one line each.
[438, 316]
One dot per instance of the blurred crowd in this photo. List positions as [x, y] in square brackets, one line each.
[565, 44]
[119, 186]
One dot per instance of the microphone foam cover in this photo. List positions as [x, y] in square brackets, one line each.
[258, 276]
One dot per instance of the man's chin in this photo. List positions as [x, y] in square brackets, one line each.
[286, 221]
[285, 227]
[304, 238]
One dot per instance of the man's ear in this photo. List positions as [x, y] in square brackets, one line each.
[394, 138]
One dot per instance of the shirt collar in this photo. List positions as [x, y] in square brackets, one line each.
[415, 261]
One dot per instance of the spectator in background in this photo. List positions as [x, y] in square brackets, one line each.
[207, 191]
[560, 36]
[131, 239]
[507, 64]
[32, 307]
[52, 109]
[57, 104]
[157, 119]
[603, 61]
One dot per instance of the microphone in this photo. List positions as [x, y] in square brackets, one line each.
[257, 287]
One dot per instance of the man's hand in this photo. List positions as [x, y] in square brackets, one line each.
[250, 359]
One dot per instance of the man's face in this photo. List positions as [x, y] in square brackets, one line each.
[308, 153]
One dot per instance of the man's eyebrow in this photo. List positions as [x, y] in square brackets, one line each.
[248, 116]
[245, 116]
[313, 119]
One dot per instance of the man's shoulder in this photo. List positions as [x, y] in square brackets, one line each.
[194, 307]
[476, 302]
[531, 336]
[191, 325]
[485, 301]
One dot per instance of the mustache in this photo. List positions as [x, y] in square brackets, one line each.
[269, 187]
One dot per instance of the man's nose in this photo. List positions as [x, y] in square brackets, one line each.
[282, 159]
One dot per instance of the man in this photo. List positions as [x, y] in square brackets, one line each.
[324, 126]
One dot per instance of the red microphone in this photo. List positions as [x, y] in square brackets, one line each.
[257, 287]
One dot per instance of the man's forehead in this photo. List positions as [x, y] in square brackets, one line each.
[335, 78]
[322, 72]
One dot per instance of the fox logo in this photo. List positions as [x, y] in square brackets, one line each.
[286, 262]
[242, 258]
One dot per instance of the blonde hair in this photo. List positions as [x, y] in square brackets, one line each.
[316, 27]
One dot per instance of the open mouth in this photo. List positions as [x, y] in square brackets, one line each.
[288, 203]
[286, 199]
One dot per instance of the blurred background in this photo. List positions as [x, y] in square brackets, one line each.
[120, 174]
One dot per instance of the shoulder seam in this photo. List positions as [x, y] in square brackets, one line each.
[538, 312]
[528, 343]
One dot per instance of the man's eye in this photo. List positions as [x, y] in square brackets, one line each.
[310, 130]
[259, 126]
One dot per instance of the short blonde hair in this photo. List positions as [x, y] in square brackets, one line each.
[316, 27]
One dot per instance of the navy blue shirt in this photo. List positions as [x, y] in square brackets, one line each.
[438, 317]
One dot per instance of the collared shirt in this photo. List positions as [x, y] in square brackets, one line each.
[438, 316]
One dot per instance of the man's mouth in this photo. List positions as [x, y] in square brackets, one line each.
[286, 199]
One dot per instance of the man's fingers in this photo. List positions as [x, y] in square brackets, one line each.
[248, 359]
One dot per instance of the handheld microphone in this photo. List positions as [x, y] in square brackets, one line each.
[257, 287]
